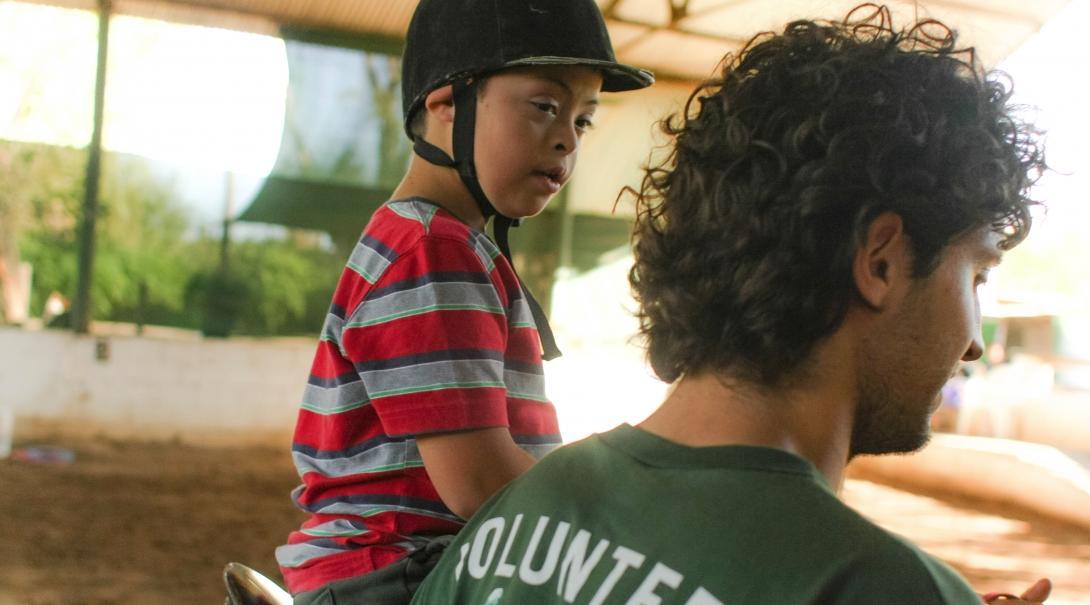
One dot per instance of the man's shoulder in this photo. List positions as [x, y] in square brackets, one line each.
[873, 564]
[893, 570]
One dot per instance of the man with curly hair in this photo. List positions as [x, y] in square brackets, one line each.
[807, 263]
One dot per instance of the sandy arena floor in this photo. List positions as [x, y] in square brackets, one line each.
[155, 523]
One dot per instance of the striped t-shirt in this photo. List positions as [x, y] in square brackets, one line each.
[429, 331]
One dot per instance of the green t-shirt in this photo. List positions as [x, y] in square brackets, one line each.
[627, 517]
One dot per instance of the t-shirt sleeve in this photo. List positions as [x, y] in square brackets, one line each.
[899, 575]
[428, 341]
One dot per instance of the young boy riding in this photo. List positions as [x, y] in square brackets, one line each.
[426, 394]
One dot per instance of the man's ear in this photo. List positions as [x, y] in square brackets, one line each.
[440, 104]
[881, 260]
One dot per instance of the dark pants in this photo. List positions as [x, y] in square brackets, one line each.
[391, 585]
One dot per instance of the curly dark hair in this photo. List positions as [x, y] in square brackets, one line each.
[745, 234]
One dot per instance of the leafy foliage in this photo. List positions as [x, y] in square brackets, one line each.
[271, 287]
[147, 269]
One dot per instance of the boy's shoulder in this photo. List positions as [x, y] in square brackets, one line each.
[401, 224]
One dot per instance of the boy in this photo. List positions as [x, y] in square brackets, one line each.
[426, 394]
[807, 265]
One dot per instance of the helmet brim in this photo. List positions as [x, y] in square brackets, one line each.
[616, 77]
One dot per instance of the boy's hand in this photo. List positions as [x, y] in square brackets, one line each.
[467, 467]
[1034, 594]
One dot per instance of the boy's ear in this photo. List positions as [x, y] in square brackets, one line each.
[882, 260]
[440, 103]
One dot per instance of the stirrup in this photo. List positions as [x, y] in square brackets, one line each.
[248, 587]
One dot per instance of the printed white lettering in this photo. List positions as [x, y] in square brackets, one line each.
[703, 597]
[487, 536]
[505, 569]
[461, 562]
[576, 567]
[660, 574]
[626, 558]
[540, 576]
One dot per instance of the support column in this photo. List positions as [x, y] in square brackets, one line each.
[228, 220]
[81, 305]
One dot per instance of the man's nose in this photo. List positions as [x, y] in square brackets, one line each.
[976, 348]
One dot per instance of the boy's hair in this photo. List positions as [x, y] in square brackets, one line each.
[418, 125]
[745, 234]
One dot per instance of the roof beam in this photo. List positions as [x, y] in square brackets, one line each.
[984, 9]
[654, 28]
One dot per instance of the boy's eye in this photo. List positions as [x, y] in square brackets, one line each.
[549, 108]
[981, 278]
[584, 123]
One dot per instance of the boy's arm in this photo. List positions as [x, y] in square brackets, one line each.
[467, 467]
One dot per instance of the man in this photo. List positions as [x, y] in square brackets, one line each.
[807, 265]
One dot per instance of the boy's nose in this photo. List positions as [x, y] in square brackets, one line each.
[567, 138]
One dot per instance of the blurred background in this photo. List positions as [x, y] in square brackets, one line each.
[181, 182]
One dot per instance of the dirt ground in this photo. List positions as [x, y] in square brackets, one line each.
[155, 523]
[140, 523]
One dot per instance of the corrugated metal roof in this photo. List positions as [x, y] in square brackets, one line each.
[678, 38]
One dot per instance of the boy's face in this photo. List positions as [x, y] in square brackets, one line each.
[530, 124]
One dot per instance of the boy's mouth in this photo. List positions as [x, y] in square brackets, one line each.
[556, 176]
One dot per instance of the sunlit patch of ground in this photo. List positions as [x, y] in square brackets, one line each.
[154, 523]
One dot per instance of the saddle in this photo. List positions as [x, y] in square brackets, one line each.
[246, 586]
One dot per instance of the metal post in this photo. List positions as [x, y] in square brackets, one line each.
[228, 220]
[565, 225]
[81, 305]
[565, 257]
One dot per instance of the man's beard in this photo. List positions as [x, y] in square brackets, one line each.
[885, 424]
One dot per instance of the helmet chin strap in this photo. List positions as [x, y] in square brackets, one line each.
[465, 120]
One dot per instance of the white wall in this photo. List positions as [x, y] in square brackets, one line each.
[247, 391]
[194, 390]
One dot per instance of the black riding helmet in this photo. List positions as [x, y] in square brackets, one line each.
[459, 41]
[450, 40]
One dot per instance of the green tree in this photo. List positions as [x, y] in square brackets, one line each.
[273, 287]
[39, 189]
[147, 269]
[142, 259]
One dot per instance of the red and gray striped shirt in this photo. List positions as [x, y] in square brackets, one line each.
[429, 331]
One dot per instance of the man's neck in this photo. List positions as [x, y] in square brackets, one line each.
[442, 186]
[814, 422]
